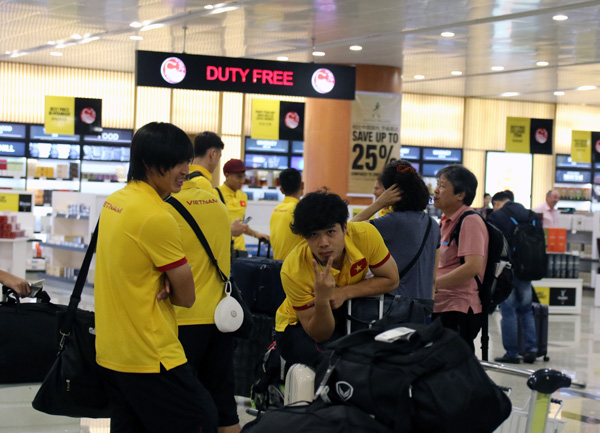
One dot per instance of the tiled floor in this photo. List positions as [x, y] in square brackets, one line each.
[574, 347]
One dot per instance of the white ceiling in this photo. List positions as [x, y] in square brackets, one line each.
[404, 33]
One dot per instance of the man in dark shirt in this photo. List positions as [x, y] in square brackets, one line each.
[517, 307]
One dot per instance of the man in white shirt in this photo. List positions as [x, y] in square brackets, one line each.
[547, 209]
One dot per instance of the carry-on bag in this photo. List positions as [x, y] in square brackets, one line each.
[414, 378]
[28, 337]
[73, 386]
[540, 317]
[259, 280]
[316, 418]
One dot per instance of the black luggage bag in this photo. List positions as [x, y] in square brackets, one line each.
[248, 352]
[540, 317]
[259, 280]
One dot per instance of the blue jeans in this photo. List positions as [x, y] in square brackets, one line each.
[518, 307]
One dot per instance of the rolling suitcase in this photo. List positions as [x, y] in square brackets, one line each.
[540, 317]
[259, 280]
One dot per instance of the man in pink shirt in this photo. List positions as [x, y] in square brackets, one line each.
[547, 209]
[457, 300]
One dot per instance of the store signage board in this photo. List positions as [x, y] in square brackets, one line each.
[410, 153]
[12, 148]
[274, 162]
[228, 74]
[111, 136]
[432, 154]
[566, 161]
[12, 130]
[573, 176]
[38, 132]
[298, 147]
[257, 145]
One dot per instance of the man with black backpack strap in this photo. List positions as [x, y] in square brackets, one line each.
[523, 230]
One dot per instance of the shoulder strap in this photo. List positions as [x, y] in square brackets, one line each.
[456, 232]
[416, 257]
[194, 174]
[194, 225]
[67, 323]
[220, 195]
[510, 214]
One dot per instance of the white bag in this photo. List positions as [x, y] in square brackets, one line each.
[229, 314]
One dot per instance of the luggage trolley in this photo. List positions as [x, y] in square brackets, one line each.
[533, 417]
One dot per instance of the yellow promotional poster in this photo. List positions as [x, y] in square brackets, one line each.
[265, 119]
[581, 146]
[543, 294]
[9, 202]
[518, 134]
[59, 115]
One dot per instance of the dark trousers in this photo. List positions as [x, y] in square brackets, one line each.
[467, 325]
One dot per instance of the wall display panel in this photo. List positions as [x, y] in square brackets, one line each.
[273, 162]
[450, 155]
[573, 176]
[512, 171]
[12, 130]
[410, 153]
[297, 162]
[12, 148]
[38, 132]
[431, 170]
[297, 147]
[565, 161]
[270, 146]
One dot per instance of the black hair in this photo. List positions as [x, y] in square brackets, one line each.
[415, 194]
[510, 194]
[206, 140]
[462, 180]
[317, 211]
[487, 194]
[290, 180]
[159, 146]
[502, 196]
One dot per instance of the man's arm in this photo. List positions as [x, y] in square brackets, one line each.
[179, 285]
[317, 319]
[19, 285]
[255, 234]
[387, 198]
[472, 266]
[385, 279]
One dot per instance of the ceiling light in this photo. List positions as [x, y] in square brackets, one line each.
[559, 93]
[209, 7]
[7, 52]
[456, 73]
[318, 53]
[69, 44]
[219, 10]
[282, 58]
[56, 53]
[542, 63]
[419, 77]
[508, 94]
[92, 39]
[560, 17]
[76, 36]
[136, 38]
[447, 35]
[136, 24]
[355, 48]
[497, 68]
[152, 27]
[13, 55]
[586, 88]
[51, 43]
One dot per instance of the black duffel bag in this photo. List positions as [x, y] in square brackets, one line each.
[317, 417]
[28, 338]
[425, 381]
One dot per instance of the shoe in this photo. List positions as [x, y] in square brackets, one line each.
[506, 360]
[529, 357]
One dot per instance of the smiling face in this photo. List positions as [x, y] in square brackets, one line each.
[444, 197]
[327, 243]
[170, 181]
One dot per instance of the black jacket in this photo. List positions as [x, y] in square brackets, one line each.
[500, 219]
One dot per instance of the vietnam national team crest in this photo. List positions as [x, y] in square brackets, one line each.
[358, 267]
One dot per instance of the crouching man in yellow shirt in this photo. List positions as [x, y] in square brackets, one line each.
[319, 275]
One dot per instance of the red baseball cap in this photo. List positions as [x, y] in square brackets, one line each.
[234, 166]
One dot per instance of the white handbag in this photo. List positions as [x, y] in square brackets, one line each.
[229, 314]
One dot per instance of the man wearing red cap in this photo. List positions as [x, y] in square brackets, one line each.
[236, 200]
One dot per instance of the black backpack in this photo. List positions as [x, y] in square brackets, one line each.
[527, 247]
[497, 281]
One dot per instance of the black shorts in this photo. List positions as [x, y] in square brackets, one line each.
[169, 401]
[210, 353]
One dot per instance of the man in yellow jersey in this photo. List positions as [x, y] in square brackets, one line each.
[282, 239]
[208, 350]
[236, 201]
[208, 147]
[141, 273]
[320, 275]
